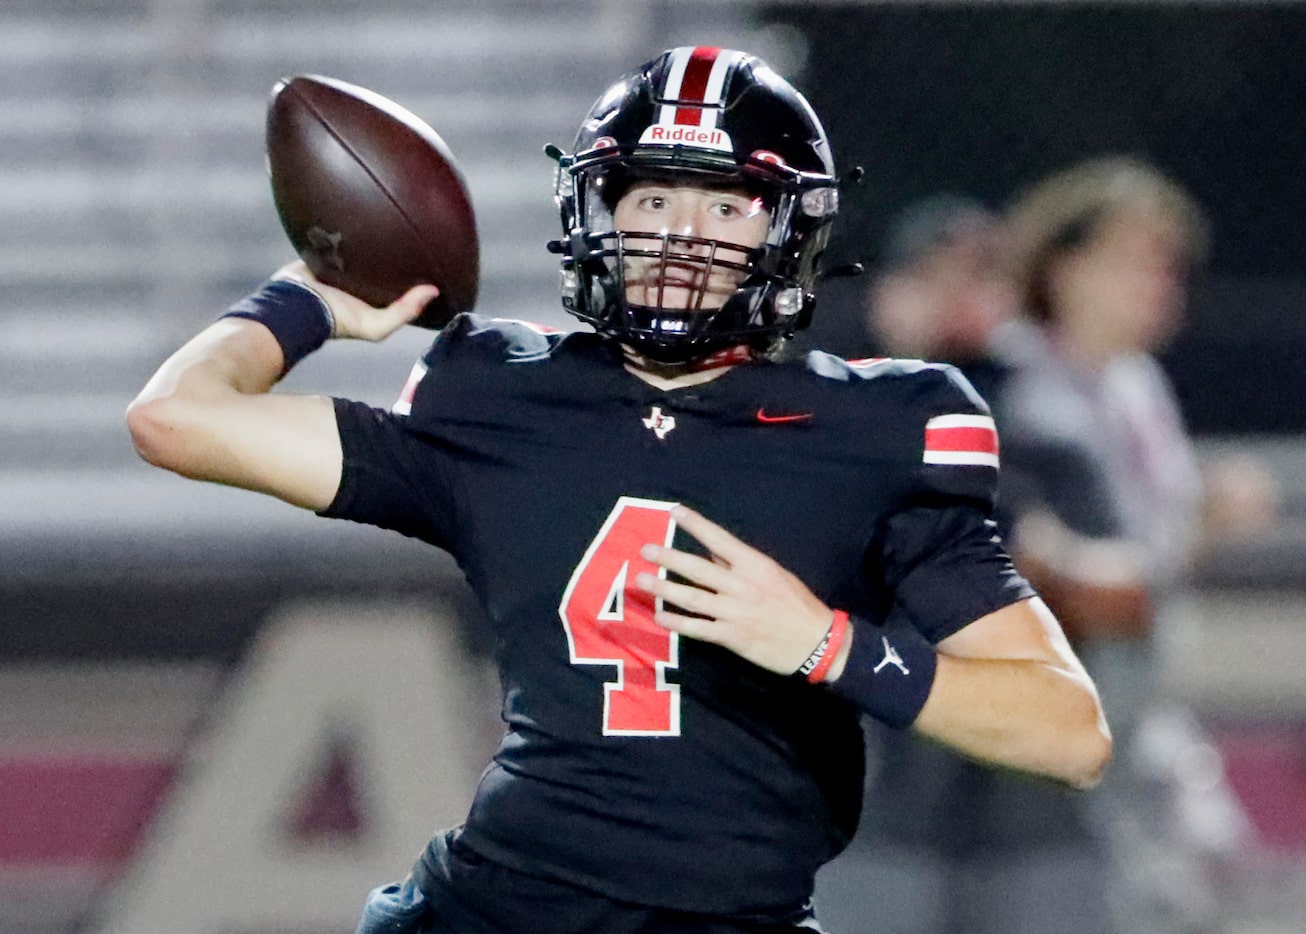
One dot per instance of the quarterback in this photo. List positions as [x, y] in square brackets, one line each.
[705, 558]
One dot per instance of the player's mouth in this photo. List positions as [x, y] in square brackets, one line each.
[673, 275]
[675, 282]
[678, 291]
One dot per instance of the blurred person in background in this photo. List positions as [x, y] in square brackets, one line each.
[956, 846]
[1054, 313]
[942, 293]
[1108, 506]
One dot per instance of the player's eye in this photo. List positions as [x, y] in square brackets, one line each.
[737, 207]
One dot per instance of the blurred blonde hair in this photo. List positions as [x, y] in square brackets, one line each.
[1065, 210]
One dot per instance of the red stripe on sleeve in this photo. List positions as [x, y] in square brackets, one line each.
[981, 440]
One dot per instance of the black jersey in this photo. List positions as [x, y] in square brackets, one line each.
[645, 766]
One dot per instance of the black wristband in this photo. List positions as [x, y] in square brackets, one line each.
[889, 671]
[298, 317]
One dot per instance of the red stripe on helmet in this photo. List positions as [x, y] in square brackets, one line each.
[693, 86]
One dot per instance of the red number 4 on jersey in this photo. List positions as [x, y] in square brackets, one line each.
[609, 622]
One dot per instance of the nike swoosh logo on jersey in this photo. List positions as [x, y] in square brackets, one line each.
[765, 419]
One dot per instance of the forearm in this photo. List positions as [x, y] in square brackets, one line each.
[252, 346]
[207, 414]
[168, 418]
[229, 356]
[1006, 689]
[1030, 715]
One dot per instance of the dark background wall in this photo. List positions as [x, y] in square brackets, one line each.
[986, 98]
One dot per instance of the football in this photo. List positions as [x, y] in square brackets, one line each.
[370, 196]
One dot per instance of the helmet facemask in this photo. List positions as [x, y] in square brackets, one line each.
[676, 297]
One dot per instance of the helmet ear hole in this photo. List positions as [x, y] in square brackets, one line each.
[706, 117]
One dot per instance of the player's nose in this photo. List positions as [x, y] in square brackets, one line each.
[692, 222]
[685, 220]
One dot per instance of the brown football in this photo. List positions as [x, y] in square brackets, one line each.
[370, 196]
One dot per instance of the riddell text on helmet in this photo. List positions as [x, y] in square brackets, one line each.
[665, 134]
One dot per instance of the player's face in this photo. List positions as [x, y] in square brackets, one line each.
[947, 304]
[683, 280]
[1128, 283]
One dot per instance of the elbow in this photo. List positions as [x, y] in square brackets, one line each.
[1094, 761]
[155, 432]
[1094, 748]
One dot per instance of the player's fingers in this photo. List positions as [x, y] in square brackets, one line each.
[378, 323]
[417, 298]
[711, 536]
[695, 627]
[408, 306]
[693, 599]
[702, 571]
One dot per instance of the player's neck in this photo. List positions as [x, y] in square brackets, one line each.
[662, 380]
[667, 376]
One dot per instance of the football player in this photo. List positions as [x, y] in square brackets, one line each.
[704, 560]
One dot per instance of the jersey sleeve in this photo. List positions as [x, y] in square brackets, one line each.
[460, 379]
[942, 554]
[392, 477]
[401, 466]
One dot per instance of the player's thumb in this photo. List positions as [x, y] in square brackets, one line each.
[405, 309]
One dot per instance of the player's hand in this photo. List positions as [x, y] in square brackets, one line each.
[355, 318]
[753, 606]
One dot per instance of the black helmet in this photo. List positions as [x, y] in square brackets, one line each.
[717, 117]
